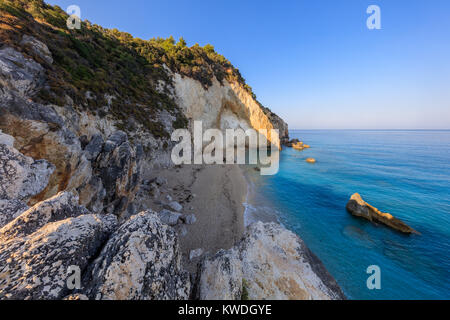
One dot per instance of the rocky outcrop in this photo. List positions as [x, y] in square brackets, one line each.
[63, 205]
[359, 208]
[18, 74]
[279, 124]
[38, 247]
[116, 174]
[21, 177]
[37, 47]
[141, 261]
[269, 263]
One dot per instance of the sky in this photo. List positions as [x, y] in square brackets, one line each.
[313, 62]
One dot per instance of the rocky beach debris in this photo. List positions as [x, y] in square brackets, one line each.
[359, 208]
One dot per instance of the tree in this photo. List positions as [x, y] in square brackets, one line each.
[181, 43]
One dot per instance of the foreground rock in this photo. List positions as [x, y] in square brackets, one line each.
[37, 248]
[141, 261]
[269, 263]
[358, 207]
[10, 209]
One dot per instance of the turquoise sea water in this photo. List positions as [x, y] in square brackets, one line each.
[405, 173]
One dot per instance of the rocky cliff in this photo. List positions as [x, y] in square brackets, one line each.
[85, 117]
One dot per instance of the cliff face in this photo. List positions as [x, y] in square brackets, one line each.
[225, 106]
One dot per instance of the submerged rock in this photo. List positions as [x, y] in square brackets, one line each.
[271, 263]
[358, 207]
[141, 261]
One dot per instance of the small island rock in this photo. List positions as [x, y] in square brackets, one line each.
[358, 207]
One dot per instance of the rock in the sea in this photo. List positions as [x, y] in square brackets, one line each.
[36, 266]
[141, 261]
[358, 207]
[311, 160]
[21, 177]
[272, 263]
[292, 142]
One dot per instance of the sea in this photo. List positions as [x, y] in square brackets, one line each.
[405, 173]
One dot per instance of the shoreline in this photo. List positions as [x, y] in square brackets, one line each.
[222, 197]
[216, 196]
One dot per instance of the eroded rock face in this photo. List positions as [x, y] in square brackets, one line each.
[21, 177]
[36, 249]
[117, 168]
[279, 124]
[227, 106]
[19, 74]
[272, 263]
[358, 207]
[37, 47]
[141, 261]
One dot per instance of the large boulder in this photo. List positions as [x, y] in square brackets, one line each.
[141, 261]
[269, 263]
[38, 247]
[359, 208]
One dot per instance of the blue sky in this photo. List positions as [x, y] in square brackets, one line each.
[314, 62]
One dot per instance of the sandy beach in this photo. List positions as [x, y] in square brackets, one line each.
[215, 194]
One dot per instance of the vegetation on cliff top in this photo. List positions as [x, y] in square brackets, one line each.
[108, 62]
